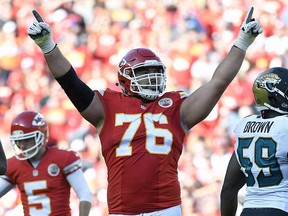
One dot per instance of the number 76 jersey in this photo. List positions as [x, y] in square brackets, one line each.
[261, 148]
[141, 145]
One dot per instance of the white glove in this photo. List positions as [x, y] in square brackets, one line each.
[41, 33]
[250, 29]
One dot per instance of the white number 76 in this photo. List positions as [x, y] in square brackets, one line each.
[134, 120]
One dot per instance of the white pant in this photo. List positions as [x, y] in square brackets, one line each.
[172, 211]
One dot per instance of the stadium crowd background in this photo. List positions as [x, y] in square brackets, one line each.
[191, 38]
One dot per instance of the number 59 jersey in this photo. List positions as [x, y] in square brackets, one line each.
[141, 144]
[261, 148]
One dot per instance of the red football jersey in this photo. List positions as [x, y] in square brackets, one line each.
[141, 145]
[44, 189]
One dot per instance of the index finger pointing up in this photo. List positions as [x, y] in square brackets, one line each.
[249, 15]
[37, 16]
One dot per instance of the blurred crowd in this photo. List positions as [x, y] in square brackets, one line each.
[191, 38]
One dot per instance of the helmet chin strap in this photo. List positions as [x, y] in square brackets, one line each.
[149, 94]
[268, 106]
[149, 97]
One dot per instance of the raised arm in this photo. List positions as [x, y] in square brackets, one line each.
[84, 99]
[200, 103]
[3, 160]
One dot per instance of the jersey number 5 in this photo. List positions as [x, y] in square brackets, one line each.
[264, 159]
[134, 120]
[41, 199]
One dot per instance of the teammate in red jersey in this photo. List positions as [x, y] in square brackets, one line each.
[44, 176]
[142, 129]
[3, 160]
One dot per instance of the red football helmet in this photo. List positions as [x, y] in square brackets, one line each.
[26, 125]
[147, 85]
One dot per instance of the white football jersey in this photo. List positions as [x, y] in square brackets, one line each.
[261, 147]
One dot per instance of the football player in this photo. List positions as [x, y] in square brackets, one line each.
[3, 160]
[142, 128]
[43, 175]
[260, 156]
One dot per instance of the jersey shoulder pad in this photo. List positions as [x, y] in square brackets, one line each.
[67, 158]
[107, 94]
[13, 162]
[100, 91]
[181, 94]
[63, 153]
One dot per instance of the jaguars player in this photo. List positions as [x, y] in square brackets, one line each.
[260, 158]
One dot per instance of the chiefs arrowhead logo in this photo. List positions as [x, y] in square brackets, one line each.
[38, 120]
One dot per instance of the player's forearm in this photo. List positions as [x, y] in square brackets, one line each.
[80, 186]
[229, 195]
[229, 67]
[228, 209]
[228, 203]
[84, 208]
[57, 63]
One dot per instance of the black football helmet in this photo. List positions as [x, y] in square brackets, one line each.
[270, 90]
